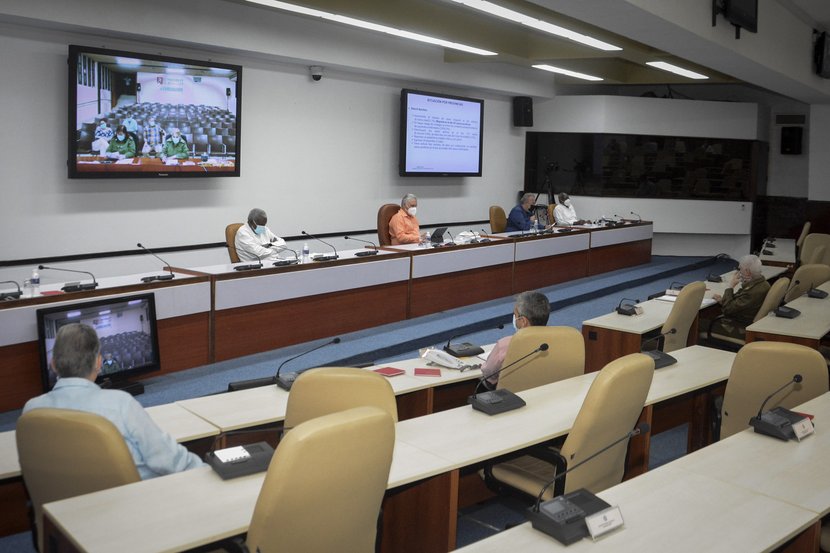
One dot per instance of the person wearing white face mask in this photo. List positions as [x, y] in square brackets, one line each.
[530, 309]
[254, 241]
[564, 214]
[740, 307]
[403, 226]
[175, 146]
[122, 146]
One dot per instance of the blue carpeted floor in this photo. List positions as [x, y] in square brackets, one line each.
[571, 303]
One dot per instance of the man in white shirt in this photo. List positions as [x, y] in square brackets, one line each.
[255, 242]
[564, 214]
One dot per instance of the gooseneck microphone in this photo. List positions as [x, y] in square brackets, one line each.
[249, 266]
[639, 219]
[157, 277]
[502, 400]
[777, 422]
[74, 286]
[797, 378]
[542, 347]
[660, 358]
[452, 239]
[10, 295]
[659, 336]
[323, 257]
[285, 382]
[482, 240]
[363, 253]
[284, 262]
[628, 309]
[466, 349]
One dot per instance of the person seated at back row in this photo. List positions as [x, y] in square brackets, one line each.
[122, 146]
[520, 218]
[254, 241]
[740, 307]
[76, 359]
[530, 309]
[403, 226]
[564, 214]
[175, 146]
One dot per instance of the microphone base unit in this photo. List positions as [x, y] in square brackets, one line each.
[77, 287]
[253, 383]
[326, 258]
[628, 311]
[366, 253]
[496, 402]
[247, 267]
[563, 517]
[786, 312]
[464, 349]
[286, 262]
[660, 359]
[287, 380]
[777, 423]
[166, 276]
[817, 294]
[9, 295]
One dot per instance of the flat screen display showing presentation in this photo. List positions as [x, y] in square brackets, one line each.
[441, 135]
[126, 328]
[140, 115]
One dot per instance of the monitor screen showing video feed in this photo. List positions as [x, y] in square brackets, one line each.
[140, 115]
[125, 326]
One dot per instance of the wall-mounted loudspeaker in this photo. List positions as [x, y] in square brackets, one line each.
[791, 140]
[522, 111]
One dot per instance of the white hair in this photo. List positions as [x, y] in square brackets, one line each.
[751, 263]
[406, 199]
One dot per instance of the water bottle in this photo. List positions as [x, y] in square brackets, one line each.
[35, 282]
[305, 253]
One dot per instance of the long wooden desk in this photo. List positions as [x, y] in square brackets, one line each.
[782, 255]
[807, 329]
[423, 484]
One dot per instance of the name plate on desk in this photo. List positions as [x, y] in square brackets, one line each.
[604, 521]
[803, 428]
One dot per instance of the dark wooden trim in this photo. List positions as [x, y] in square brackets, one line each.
[618, 256]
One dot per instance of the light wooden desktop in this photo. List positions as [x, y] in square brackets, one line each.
[429, 452]
[782, 254]
[807, 329]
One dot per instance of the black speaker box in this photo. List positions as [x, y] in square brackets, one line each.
[791, 140]
[522, 111]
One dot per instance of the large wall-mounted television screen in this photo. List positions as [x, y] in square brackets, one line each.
[126, 327]
[141, 115]
[441, 135]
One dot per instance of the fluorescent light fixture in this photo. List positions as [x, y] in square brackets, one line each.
[175, 70]
[371, 26]
[104, 312]
[676, 70]
[544, 26]
[73, 314]
[128, 62]
[554, 69]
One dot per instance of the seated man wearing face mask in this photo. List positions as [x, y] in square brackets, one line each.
[739, 308]
[175, 146]
[254, 241]
[564, 214]
[530, 309]
[403, 226]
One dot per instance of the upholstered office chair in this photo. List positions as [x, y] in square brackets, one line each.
[812, 242]
[498, 220]
[805, 230]
[682, 315]
[325, 485]
[65, 453]
[610, 410]
[774, 297]
[564, 358]
[230, 240]
[326, 390]
[759, 369]
[385, 213]
[806, 277]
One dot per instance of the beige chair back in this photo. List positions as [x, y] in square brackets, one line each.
[564, 358]
[385, 213]
[759, 369]
[805, 277]
[327, 390]
[774, 297]
[498, 220]
[230, 240]
[682, 315]
[805, 230]
[65, 453]
[325, 485]
[811, 250]
[611, 408]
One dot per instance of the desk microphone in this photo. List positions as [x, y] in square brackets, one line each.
[323, 257]
[776, 422]
[813, 292]
[10, 295]
[502, 400]
[627, 309]
[474, 239]
[452, 239]
[563, 517]
[156, 277]
[364, 253]
[466, 349]
[249, 266]
[660, 358]
[482, 240]
[285, 382]
[77, 286]
[639, 219]
[284, 262]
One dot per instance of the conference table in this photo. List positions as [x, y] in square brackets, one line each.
[423, 488]
[782, 252]
[807, 329]
[748, 492]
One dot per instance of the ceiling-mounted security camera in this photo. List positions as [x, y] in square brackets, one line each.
[316, 72]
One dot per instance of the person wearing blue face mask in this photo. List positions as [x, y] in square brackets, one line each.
[122, 146]
[530, 309]
[254, 241]
[175, 146]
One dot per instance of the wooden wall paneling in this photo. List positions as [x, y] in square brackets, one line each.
[20, 375]
[547, 271]
[603, 346]
[441, 292]
[618, 256]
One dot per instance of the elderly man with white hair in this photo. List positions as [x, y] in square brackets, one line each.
[740, 307]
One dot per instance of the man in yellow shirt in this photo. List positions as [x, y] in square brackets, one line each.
[403, 226]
